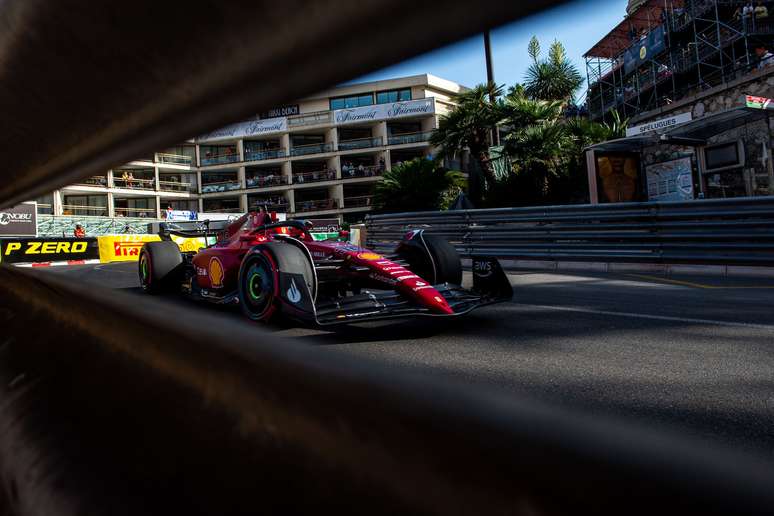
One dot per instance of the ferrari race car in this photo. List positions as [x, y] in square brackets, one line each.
[269, 267]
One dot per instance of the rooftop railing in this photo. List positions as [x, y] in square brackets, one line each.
[314, 148]
[360, 143]
[222, 210]
[401, 139]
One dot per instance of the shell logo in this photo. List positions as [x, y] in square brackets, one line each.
[369, 256]
[216, 272]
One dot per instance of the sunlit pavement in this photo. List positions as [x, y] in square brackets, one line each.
[694, 354]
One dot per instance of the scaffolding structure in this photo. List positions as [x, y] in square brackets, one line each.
[667, 50]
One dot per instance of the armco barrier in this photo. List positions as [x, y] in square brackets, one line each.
[727, 231]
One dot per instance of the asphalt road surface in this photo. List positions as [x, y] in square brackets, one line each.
[692, 355]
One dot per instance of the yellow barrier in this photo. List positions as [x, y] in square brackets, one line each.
[126, 248]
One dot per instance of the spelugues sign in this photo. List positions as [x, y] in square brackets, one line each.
[35, 250]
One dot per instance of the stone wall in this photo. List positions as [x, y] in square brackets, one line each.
[756, 136]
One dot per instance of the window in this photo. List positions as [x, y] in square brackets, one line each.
[723, 156]
[384, 97]
[352, 102]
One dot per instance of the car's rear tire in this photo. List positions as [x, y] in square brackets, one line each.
[259, 289]
[432, 258]
[159, 266]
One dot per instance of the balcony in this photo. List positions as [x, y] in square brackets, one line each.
[177, 186]
[314, 148]
[315, 176]
[93, 181]
[317, 118]
[352, 172]
[360, 143]
[317, 205]
[221, 186]
[82, 209]
[174, 159]
[402, 139]
[266, 181]
[133, 183]
[259, 155]
[220, 159]
[222, 210]
[142, 213]
[363, 201]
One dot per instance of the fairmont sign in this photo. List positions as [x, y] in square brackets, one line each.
[384, 111]
[659, 125]
[246, 130]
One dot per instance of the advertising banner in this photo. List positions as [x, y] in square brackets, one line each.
[122, 248]
[246, 130]
[19, 221]
[384, 111]
[646, 48]
[670, 180]
[172, 215]
[618, 177]
[36, 250]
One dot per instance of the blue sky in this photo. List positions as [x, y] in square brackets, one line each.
[578, 25]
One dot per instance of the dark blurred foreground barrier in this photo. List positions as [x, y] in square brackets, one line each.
[112, 407]
[726, 231]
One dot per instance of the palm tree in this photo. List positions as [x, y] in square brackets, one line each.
[416, 185]
[469, 125]
[554, 78]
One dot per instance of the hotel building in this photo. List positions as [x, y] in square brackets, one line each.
[319, 157]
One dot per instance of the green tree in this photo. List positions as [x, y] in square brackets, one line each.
[469, 125]
[552, 78]
[417, 185]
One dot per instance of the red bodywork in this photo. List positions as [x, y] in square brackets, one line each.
[217, 267]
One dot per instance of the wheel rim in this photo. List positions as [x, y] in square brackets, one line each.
[258, 287]
[144, 269]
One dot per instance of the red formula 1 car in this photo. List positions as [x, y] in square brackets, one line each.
[272, 267]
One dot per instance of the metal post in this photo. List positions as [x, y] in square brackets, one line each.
[490, 81]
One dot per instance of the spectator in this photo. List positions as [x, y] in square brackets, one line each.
[79, 232]
[748, 10]
[765, 58]
[299, 178]
[761, 11]
[381, 164]
[127, 229]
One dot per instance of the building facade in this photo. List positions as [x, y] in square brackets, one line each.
[683, 73]
[321, 156]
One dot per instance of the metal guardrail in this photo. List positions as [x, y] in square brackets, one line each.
[726, 231]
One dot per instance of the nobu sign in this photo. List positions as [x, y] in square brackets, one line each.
[20, 220]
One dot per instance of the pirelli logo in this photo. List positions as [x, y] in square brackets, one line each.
[127, 248]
